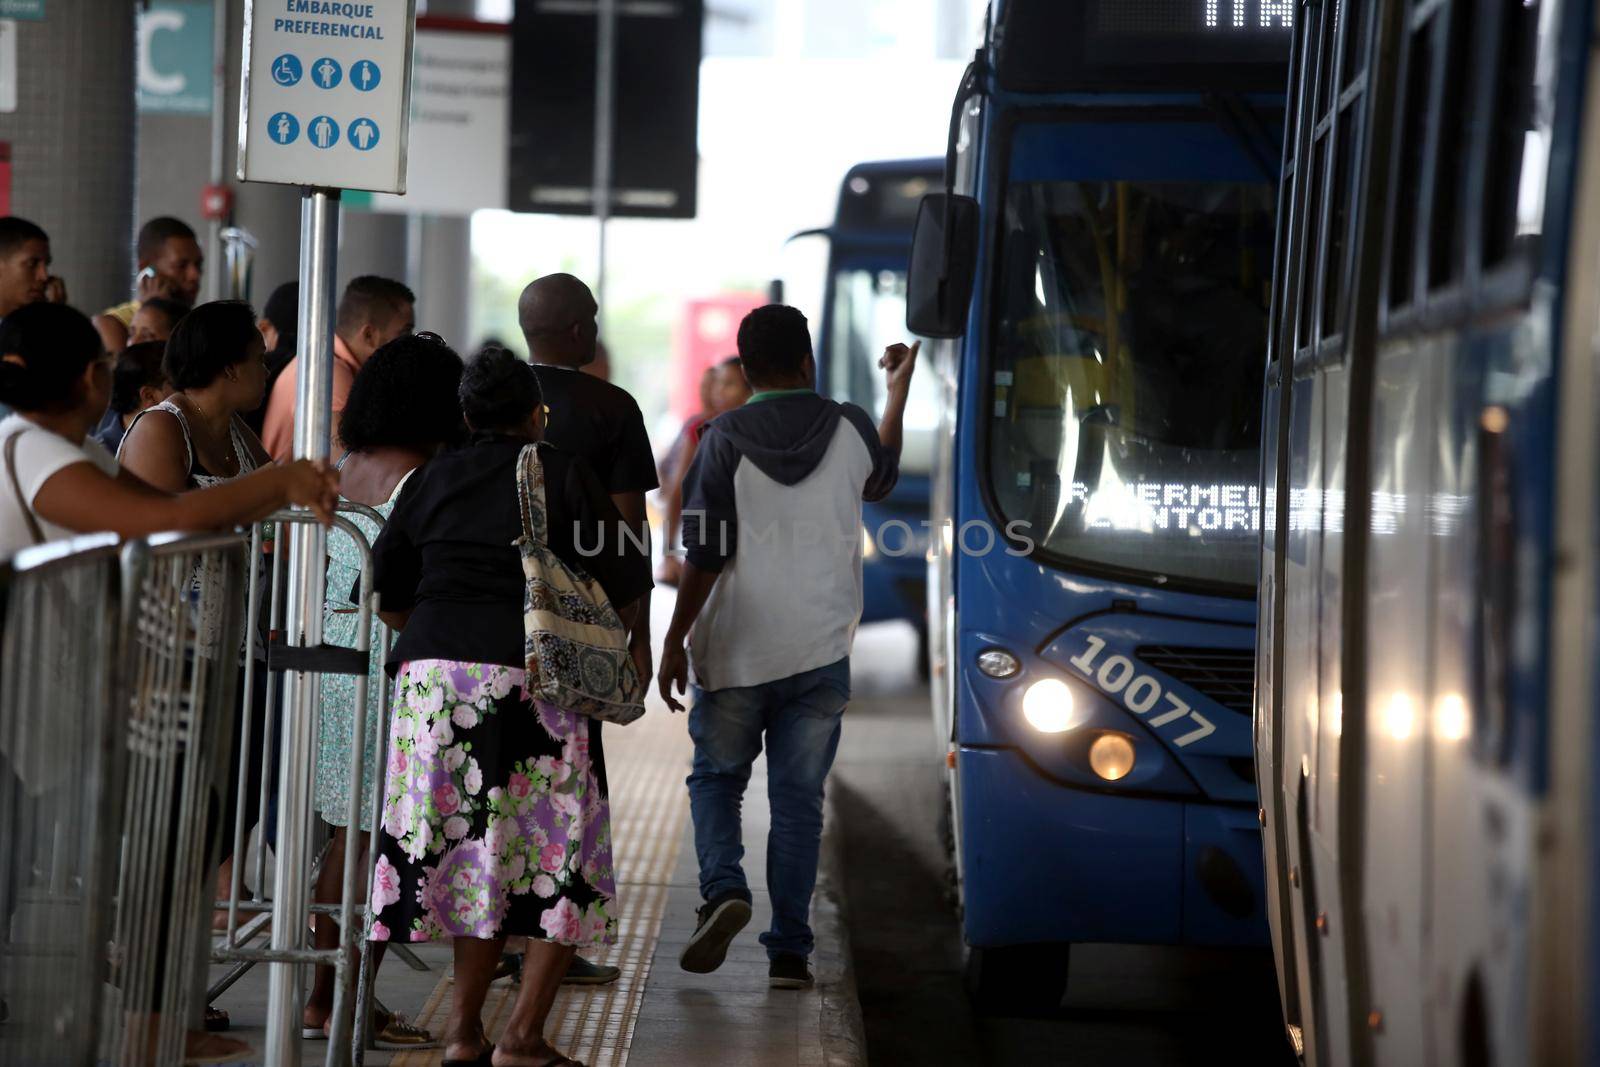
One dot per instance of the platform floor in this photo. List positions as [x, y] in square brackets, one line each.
[656, 1014]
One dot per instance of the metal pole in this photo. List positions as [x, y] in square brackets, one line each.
[605, 80]
[215, 253]
[319, 237]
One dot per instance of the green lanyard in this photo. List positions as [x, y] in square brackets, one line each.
[770, 394]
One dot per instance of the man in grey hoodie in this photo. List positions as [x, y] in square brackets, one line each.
[771, 589]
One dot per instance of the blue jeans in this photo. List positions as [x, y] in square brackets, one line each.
[801, 716]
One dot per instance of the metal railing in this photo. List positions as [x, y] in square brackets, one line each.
[298, 841]
[61, 755]
[182, 649]
[120, 687]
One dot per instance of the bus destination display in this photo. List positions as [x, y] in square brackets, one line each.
[1106, 45]
[1190, 30]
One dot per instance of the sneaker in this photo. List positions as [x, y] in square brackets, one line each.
[586, 972]
[720, 921]
[393, 1032]
[510, 966]
[789, 972]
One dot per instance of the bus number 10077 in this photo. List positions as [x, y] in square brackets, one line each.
[1140, 693]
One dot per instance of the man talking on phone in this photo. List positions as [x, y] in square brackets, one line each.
[170, 266]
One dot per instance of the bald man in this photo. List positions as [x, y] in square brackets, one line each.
[589, 417]
[600, 422]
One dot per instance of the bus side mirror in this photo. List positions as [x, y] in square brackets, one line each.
[944, 255]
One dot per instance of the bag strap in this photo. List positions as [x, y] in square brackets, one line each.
[530, 496]
[16, 487]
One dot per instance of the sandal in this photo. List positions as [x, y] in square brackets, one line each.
[485, 1059]
[196, 1056]
[558, 1059]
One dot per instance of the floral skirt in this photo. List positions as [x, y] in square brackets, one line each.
[495, 818]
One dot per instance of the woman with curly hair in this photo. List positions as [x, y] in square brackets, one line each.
[402, 409]
[495, 817]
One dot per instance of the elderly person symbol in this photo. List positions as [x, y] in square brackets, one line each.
[324, 132]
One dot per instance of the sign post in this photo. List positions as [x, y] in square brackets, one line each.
[325, 105]
[605, 83]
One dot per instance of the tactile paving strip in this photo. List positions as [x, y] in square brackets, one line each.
[646, 764]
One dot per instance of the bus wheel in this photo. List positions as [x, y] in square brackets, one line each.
[1020, 981]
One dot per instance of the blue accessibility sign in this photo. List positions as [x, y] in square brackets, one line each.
[283, 128]
[323, 131]
[365, 75]
[363, 133]
[327, 73]
[286, 69]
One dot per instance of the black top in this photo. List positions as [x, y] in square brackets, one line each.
[448, 551]
[277, 360]
[600, 423]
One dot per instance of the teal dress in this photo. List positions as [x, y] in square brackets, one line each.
[337, 735]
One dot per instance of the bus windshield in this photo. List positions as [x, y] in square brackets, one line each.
[1127, 358]
[869, 313]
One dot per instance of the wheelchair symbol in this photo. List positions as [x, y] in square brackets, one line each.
[286, 69]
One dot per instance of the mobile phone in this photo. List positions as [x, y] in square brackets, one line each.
[148, 272]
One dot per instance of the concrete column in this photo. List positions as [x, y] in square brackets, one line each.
[441, 262]
[174, 165]
[72, 143]
[370, 243]
[443, 280]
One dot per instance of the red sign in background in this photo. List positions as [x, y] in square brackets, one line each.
[5, 177]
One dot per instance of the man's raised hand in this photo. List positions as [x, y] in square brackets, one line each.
[899, 361]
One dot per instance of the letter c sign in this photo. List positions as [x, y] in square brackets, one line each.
[151, 80]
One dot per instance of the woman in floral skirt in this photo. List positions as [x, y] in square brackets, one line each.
[495, 816]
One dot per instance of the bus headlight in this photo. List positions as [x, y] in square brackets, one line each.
[1048, 707]
[1111, 756]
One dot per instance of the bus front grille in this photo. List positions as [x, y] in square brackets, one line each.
[1226, 675]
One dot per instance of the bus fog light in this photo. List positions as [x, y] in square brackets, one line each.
[998, 663]
[1111, 756]
[1047, 705]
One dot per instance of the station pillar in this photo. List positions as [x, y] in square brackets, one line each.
[72, 140]
[175, 167]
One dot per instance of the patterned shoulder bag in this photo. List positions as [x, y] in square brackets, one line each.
[576, 645]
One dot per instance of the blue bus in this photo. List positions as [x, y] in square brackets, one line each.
[864, 309]
[1426, 695]
[1100, 268]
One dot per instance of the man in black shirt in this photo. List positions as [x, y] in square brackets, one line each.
[590, 417]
